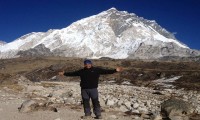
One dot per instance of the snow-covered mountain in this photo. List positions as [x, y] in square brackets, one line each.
[111, 33]
[2, 43]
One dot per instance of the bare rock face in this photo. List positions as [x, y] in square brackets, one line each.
[146, 51]
[37, 51]
[175, 109]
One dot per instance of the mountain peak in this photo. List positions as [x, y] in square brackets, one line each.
[128, 19]
[112, 9]
[111, 33]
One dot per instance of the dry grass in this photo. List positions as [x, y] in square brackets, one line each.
[138, 72]
[14, 87]
[47, 85]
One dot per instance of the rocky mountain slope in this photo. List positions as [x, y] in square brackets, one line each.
[111, 33]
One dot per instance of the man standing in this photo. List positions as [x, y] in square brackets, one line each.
[89, 76]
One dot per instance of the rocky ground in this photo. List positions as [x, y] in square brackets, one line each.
[31, 89]
[61, 101]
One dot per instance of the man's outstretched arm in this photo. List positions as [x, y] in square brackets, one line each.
[111, 71]
[75, 73]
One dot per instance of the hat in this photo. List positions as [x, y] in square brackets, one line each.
[87, 62]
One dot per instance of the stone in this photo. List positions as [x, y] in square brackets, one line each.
[175, 107]
[60, 100]
[69, 101]
[113, 116]
[60, 93]
[102, 102]
[67, 94]
[156, 117]
[138, 100]
[148, 103]
[135, 105]
[52, 99]
[193, 100]
[50, 95]
[110, 102]
[120, 102]
[123, 108]
[142, 110]
[128, 105]
[135, 111]
[135, 118]
[198, 109]
[28, 106]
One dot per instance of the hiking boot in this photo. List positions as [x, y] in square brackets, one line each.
[86, 117]
[99, 117]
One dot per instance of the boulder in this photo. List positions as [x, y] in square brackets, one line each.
[128, 105]
[172, 108]
[110, 102]
[69, 101]
[28, 106]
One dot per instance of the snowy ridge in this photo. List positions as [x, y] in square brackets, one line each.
[111, 33]
[2, 43]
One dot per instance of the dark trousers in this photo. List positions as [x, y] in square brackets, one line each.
[88, 94]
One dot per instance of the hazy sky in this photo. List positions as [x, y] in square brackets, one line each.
[19, 17]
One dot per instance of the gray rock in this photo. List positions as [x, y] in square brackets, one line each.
[70, 101]
[135, 111]
[67, 94]
[120, 102]
[175, 107]
[28, 106]
[102, 102]
[123, 108]
[143, 110]
[113, 116]
[128, 105]
[110, 102]
[148, 103]
[136, 105]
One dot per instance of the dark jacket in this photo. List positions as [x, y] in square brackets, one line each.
[90, 77]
